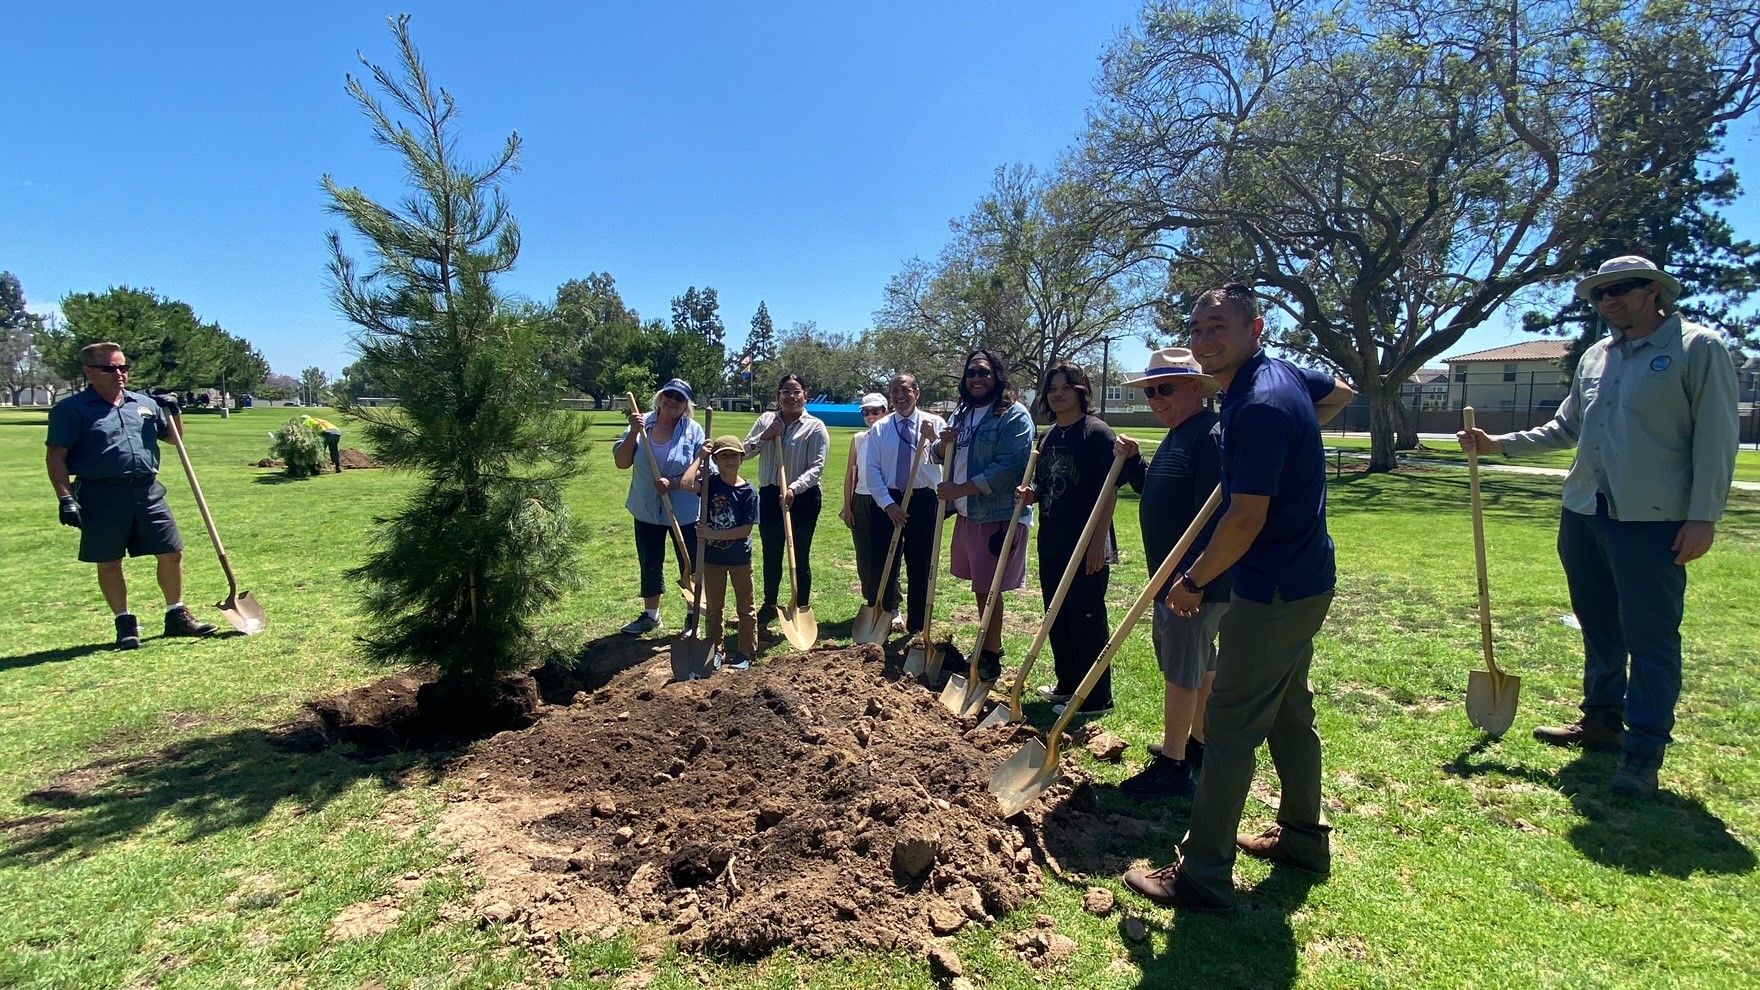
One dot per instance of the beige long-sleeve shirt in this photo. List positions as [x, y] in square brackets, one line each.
[806, 443]
[1655, 426]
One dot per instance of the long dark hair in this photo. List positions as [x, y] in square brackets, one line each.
[1005, 395]
[1077, 379]
[785, 379]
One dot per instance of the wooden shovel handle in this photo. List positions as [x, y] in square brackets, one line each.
[904, 506]
[935, 552]
[647, 444]
[995, 596]
[1467, 420]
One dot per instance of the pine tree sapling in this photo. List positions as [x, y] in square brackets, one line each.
[460, 575]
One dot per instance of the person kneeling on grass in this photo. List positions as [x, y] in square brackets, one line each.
[730, 510]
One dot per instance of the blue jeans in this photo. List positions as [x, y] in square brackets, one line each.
[1629, 595]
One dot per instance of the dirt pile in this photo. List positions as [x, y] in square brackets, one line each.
[816, 801]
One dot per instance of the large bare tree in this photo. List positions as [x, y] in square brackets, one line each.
[1390, 174]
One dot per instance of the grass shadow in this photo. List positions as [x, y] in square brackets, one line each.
[199, 787]
[53, 656]
[1666, 834]
[278, 478]
[1255, 947]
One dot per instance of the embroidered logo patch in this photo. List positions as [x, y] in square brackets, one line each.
[1660, 362]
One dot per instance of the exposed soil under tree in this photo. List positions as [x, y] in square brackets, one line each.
[818, 801]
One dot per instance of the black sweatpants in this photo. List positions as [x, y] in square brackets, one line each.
[804, 517]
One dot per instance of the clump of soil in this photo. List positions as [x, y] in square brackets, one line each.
[817, 801]
[352, 460]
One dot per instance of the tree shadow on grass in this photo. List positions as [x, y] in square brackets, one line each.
[53, 656]
[278, 478]
[197, 788]
[1668, 834]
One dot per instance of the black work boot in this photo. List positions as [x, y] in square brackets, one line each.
[179, 622]
[128, 631]
[990, 665]
[1636, 776]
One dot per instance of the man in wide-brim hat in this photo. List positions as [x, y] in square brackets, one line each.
[1652, 415]
[1174, 486]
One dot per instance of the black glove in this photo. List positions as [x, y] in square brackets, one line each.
[168, 402]
[69, 511]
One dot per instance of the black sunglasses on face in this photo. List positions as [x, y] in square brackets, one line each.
[1164, 390]
[871, 411]
[674, 396]
[980, 373]
[1601, 292]
[114, 369]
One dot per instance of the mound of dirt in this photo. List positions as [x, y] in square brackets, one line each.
[817, 801]
[354, 460]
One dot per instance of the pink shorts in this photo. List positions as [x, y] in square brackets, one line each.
[973, 560]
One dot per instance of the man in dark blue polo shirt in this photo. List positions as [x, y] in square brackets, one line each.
[109, 437]
[1272, 541]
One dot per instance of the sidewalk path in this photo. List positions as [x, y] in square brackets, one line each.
[1746, 486]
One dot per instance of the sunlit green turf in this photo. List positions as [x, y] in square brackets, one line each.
[208, 858]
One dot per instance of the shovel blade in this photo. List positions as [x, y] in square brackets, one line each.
[916, 660]
[953, 695]
[1491, 701]
[1000, 715]
[871, 625]
[243, 613]
[798, 627]
[692, 658]
[1023, 777]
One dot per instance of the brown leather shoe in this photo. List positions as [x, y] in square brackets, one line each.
[1169, 888]
[1268, 845]
[1593, 735]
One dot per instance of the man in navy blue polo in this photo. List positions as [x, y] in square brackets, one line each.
[109, 437]
[1272, 541]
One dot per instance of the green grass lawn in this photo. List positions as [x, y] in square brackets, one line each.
[204, 857]
[1747, 459]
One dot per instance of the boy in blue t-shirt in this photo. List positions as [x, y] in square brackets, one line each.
[730, 510]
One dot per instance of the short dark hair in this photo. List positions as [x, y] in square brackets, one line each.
[798, 380]
[1005, 393]
[1234, 294]
[1075, 377]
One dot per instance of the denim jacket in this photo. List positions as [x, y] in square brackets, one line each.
[643, 501]
[998, 460]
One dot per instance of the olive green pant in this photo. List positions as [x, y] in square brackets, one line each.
[1261, 695]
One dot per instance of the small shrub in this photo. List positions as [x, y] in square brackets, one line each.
[300, 446]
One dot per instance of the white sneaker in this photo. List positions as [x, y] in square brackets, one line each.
[1049, 693]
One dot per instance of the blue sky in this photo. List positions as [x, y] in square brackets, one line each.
[796, 153]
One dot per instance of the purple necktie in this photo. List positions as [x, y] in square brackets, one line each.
[906, 450]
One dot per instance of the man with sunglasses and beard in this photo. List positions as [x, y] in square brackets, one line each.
[108, 436]
[993, 438]
[1652, 415]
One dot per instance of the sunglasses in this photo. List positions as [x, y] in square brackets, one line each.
[871, 411]
[1164, 390]
[1601, 292]
[674, 396]
[980, 373]
[114, 369]
[790, 393]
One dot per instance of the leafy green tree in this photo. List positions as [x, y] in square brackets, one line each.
[760, 350]
[1677, 226]
[1390, 173]
[839, 365]
[166, 343]
[460, 576]
[698, 314]
[672, 352]
[314, 386]
[20, 364]
[598, 332]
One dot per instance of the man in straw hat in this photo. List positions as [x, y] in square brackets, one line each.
[1272, 542]
[1186, 469]
[1652, 415]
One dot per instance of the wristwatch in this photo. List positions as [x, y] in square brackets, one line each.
[1185, 581]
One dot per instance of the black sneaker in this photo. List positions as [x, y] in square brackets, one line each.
[1194, 753]
[990, 666]
[1162, 778]
[1090, 708]
[128, 632]
[179, 622]
[643, 623]
[766, 614]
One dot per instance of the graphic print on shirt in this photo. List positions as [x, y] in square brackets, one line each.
[723, 516]
[1058, 475]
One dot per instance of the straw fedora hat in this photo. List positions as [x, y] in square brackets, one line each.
[1170, 364]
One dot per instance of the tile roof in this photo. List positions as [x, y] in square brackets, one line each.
[1528, 350]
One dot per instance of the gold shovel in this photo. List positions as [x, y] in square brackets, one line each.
[873, 623]
[693, 653]
[925, 657]
[1491, 693]
[1025, 775]
[798, 625]
[240, 608]
[1011, 712]
[965, 695]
